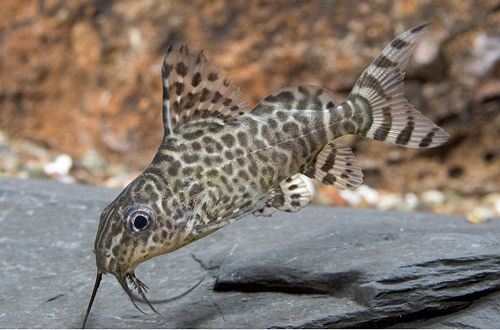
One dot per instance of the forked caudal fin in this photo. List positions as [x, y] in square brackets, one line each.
[377, 109]
[379, 93]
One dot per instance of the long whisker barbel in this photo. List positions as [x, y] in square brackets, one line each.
[133, 297]
[220, 161]
[96, 286]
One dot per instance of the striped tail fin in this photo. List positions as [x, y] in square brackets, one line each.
[379, 92]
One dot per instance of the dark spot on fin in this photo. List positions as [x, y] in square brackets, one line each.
[213, 76]
[398, 43]
[379, 93]
[290, 195]
[419, 28]
[384, 62]
[196, 79]
[191, 86]
[181, 69]
[336, 166]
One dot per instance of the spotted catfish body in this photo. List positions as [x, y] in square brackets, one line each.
[220, 160]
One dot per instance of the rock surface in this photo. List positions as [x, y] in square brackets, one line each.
[85, 75]
[323, 267]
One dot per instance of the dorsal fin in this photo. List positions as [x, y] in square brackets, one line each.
[195, 90]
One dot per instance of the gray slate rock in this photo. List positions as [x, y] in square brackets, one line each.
[323, 267]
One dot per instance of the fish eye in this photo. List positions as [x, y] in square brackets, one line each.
[138, 218]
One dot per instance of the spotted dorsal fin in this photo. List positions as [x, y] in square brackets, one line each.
[195, 90]
[336, 166]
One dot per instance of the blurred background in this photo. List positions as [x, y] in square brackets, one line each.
[80, 86]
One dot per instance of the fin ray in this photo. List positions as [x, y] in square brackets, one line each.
[195, 90]
[393, 119]
[336, 166]
[289, 195]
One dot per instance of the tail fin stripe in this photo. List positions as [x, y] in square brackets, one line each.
[384, 126]
[372, 83]
[384, 62]
[399, 44]
[405, 135]
[379, 92]
[426, 141]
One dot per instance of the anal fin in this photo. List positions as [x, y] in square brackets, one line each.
[336, 166]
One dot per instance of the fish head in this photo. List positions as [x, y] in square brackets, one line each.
[143, 221]
[138, 225]
[122, 244]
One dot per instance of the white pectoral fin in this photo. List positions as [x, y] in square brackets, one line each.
[290, 195]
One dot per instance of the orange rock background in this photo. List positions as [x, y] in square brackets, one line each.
[84, 75]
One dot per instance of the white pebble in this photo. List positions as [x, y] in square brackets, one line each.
[411, 200]
[369, 194]
[354, 197]
[390, 202]
[61, 166]
[433, 197]
[478, 215]
[497, 207]
[351, 196]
